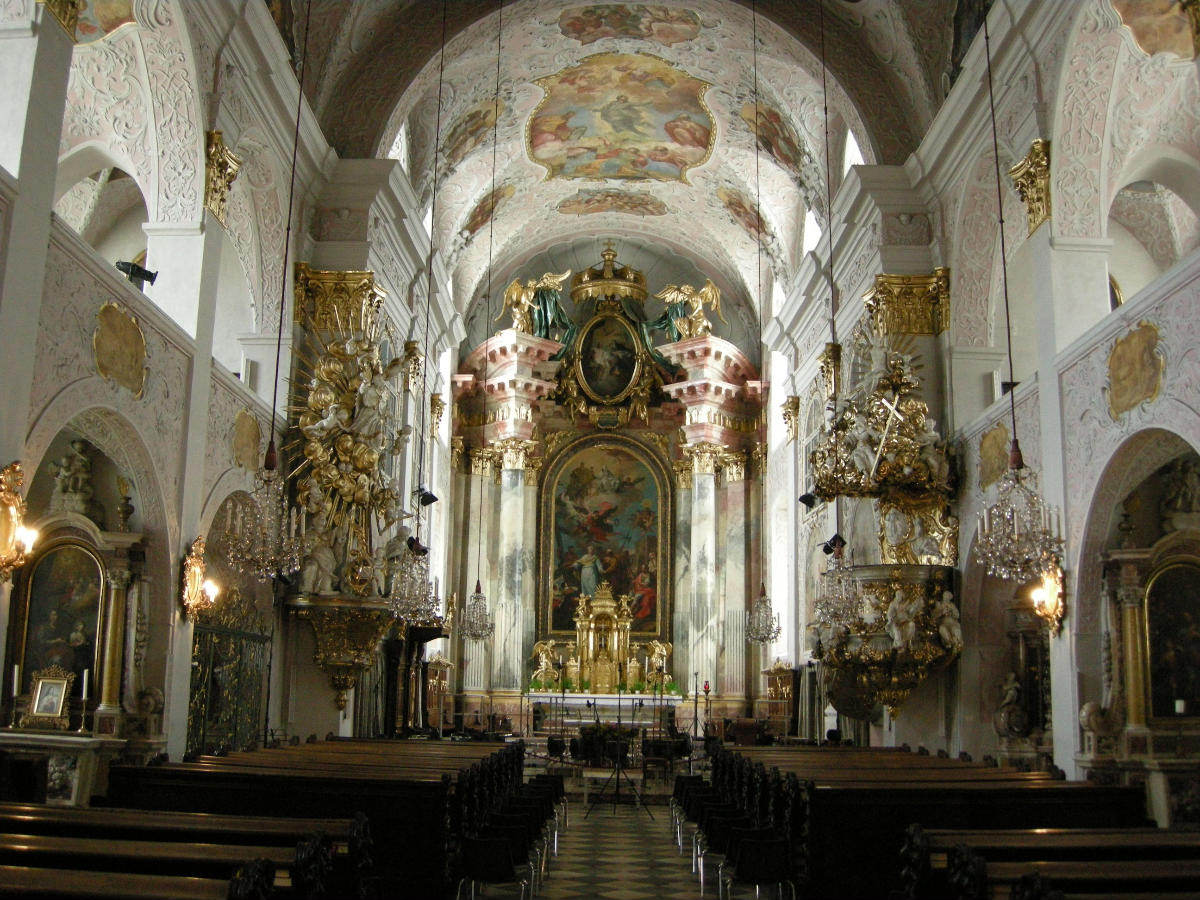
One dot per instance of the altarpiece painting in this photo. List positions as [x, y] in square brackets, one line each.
[1173, 638]
[607, 511]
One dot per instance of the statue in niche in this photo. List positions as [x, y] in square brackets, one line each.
[1011, 719]
[1180, 503]
[945, 614]
[73, 491]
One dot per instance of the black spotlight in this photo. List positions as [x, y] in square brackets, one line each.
[835, 543]
[425, 496]
[809, 500]
[136, 274]
[416, 547]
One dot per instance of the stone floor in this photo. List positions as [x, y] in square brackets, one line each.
[617, 852]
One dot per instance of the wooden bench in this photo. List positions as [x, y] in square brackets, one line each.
[24, 881]
[856, 817]
[1114, 861]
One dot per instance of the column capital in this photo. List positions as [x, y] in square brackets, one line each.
[220, 169]
[733, 465]
[483, 461]
[1032, 179]
[458, 446]
[910, 304]
[791, 416]
[705, 457]
[513, 452]
[683, 474]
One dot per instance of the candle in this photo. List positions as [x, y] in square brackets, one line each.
[1180, 707]
[16, 680]
[86, 672]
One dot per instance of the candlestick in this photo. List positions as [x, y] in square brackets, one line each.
[1180, 707]
[86, 672]
[16, 680]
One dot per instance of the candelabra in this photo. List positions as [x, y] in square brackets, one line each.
[762, 623]
[477, 622]
[1019, 535]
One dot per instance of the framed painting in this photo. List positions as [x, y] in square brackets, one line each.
[1172, 611]
[63, 595]
[48, 707]
[606, 513]
[608, 363]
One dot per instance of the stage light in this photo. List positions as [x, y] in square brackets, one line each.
[416, 547]
[834, 544]
[809, 500]
[425, 496]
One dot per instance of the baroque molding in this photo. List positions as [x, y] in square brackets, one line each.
[706, 457]
[220, 169]
[1032, 179]
[910, 304]
[791, 417]
[830, 365]
[328, 300]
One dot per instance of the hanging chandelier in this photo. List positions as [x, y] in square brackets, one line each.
[839, 599]
[1019, 536]
[414, 598]
[477, 623]
[762, 623]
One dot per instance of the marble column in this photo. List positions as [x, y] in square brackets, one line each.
[508, 650]
[681, 658]
[734, 558]
[108, 712]
[703, 637]
[479, 515]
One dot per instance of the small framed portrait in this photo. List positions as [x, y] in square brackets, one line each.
[48, 699]
[608, 364]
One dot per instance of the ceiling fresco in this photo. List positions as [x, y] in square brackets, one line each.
[631, 121]
[624, 116]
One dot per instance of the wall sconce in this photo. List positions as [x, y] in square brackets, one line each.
[199, 593]
[16, 540]
[1049, 600]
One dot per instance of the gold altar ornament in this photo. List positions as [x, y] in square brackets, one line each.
[1135, 369]
[521, 302]
[1032, 179]
[199, 593]
[685, 309]
[119, 348]
[346, 639]
[220, 169]
[16, 539]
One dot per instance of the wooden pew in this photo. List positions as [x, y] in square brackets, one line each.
[1116, 861]
[409, 804]
[24, 881]
[857, 816]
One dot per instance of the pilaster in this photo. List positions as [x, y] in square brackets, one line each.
[705, 617]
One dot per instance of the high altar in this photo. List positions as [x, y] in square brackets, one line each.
[617, 481]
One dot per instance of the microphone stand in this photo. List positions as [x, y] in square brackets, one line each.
[618, 772]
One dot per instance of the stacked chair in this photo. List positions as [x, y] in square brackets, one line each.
[753, 820]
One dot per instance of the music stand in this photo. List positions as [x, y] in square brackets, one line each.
[618, 772]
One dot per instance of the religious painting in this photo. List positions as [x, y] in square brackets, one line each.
[606, 513]
[621, 115]
[662, 24]
[470, 130]
[776, 136]
[607, 361]
[1173, 639]
[98, 18]
[63, 594]
[482, 212]
[742, 209]
[635, 203]
[1135, 369]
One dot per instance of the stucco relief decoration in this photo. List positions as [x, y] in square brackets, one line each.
[120, 349]
[246, 440]
[634, 203]
[993, 454]
[625, 116]
[660, 24]
[1135, 369]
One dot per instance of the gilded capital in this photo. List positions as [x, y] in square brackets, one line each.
[220, 169]
[1032, 179]
[830, 362]
[65, 12]
[705, 457]
[437, 407]
[533, 470]
[759, 456]
[337, 301]
[483, 462]
[457, 448]
[683, 474]
[413, 363]
[791, 416]
[910, 304]
[513, 452]
[733, 465]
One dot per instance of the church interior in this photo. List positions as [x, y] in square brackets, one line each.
[789, 407]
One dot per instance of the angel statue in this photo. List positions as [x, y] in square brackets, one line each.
[545, 671]
[684, 316]
[536, 308]
[656, 661]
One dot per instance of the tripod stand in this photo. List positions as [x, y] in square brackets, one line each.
[618, 772]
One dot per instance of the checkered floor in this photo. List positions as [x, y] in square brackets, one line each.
[620, 853]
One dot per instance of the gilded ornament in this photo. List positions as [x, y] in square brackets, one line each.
[198, 593]
[413, 364]
[457, 447]
[910, 304]
[512, 452]
[1135, 369]
[535, 307]
[684, 316]
[337, 301]
[347, 637]
[1032, 179]
[683, 474]
[437, 408]
[830, 362]
[791, 416]
[608, 278]
[917, 531]
[993, 454]
[16, 541]
[555, 439]
[246, 440]
[119, 348]
[759, 455]
[484, 462]
[220, 169]
[66, 13]
[50, 695]
[661, 441]
[733, 466]
[705, 457]
[533, 469]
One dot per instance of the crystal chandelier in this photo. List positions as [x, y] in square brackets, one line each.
[262, 539]
[762, 624]
[839, 600]
[414, 598]
[477, 623]
[1020, 534]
